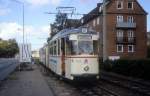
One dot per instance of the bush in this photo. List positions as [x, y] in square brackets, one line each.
[148, 51]
[107, 65]
[133, 68]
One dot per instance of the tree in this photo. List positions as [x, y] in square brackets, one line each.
[59, 23]
[62, 22]
[8, 48]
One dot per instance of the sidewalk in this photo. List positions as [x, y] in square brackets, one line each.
[27, 83]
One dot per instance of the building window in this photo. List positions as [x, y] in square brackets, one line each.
[98, 21]
[131, 48]
[130, 19]
[130, 5]
[130, 33]
[119, 18]
[94, 23]
[119, 4]
[131, 38]
[120, 34]
[119, 48]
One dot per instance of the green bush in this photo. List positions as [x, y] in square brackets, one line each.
[107, 65]
[133, 68]
[148, 52]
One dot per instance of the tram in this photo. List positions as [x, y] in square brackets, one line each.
[73, 54]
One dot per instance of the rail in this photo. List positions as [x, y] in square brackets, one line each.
[129, 83]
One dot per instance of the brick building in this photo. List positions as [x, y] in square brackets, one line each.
[148, 38]
[126, 28]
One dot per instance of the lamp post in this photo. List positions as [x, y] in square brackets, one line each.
[23, 29]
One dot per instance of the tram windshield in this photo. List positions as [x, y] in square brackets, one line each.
[83, 47]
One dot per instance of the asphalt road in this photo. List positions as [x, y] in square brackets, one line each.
[7, 66]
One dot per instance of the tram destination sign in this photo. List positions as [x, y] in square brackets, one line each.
[84, 37]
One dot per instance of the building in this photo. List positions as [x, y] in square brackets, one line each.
[126, 28]
[35, 54]
[148, 38]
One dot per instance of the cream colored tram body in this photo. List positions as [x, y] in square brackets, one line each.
[73, 54]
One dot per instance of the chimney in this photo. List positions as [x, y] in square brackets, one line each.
[98, 4]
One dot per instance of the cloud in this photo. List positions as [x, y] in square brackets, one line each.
[37, 36]
[38, 2]
[55, 2]
[84, 1]
[4, 11]
[90, 1]
[8, 30]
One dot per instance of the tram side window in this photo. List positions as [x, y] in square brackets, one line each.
[55, 51]
[50, 50]
[63, 46]
[58, 48]
[68, 46]
[74, 47]
[95, 47]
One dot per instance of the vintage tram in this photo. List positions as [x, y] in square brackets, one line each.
[73, 54]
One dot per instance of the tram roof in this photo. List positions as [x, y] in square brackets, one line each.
[66, 32]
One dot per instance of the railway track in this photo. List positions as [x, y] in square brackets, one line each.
[109, 85]
[95, 90]
[65, 88]
[136, 86]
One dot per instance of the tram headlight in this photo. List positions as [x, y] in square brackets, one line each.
[86, 68]
[72, 78]
[97, 77]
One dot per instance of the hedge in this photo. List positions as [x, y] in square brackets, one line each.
[132, 68]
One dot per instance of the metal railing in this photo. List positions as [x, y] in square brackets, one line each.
[126, 40]
[126, 25]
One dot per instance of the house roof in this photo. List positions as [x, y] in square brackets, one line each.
[96, 12]
[92, 14]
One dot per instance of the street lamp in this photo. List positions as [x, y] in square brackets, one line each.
[23, 45]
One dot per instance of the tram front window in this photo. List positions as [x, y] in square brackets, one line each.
[85, 47]
[82, 47]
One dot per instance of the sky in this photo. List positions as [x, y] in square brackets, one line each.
[37, 20]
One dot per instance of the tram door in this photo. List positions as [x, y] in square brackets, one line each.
[63, 56]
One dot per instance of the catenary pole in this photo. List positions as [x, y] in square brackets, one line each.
[104, 32]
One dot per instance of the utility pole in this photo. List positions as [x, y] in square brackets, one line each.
[23, 20]
[23, 29]
[104, 32]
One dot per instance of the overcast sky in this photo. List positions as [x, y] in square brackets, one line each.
[36, 21]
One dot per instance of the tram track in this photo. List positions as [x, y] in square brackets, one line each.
[104, 87]
[95, 90]
[65, 88]
[127, 83]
